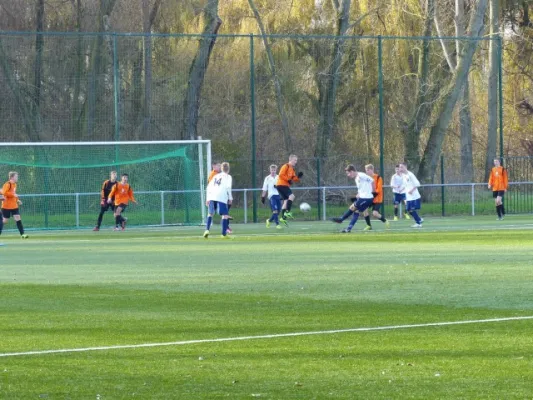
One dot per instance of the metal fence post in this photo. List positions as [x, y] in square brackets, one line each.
[245, 206]
[473, 194]
[381, 117]
[163, 208]
[252, 105]
[442, 185]
[77, 210]
[319, 205]
[323, 204]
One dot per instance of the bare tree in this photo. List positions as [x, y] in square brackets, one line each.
[275, 78]
[445, 105]
[492, 136]
[198, 70]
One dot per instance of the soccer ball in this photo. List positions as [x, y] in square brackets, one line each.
[304, 207]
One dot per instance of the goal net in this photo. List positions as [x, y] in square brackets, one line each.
[59, 183]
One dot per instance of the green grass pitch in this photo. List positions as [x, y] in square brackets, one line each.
[83, 289]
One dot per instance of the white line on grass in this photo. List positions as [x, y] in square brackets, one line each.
[273, 336]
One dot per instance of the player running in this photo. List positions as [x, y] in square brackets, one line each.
[11, 203]
[107, 186]
[364, 199]
[122, 193]
[411, 185]
[498, 182]
[378, 199]
[287, 176]
[219, 192]
[214, 171]
[274, 198]
[396, 183]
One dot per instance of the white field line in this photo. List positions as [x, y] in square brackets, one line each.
[272, 336]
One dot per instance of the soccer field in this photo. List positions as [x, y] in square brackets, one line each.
[441, 312]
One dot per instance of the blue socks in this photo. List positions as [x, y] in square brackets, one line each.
[274, 218]
[209, 222]
[346, 215]
[225, 224]
[353, 221]
[416, 217]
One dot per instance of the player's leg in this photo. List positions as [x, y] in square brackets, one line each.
[123, 219]
[502, 208]
[223, 211]
[229, 219]
[376, 213]
[103, 208]
[396, 206]
[118, 217]
[358, 207]
[16, 216]
[288, 213]
[212, 207]
[1, 221]
[284, 193]
[497, 201]
[413, 207]
[368, 226]
[347, 214]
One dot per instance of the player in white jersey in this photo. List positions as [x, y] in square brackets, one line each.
[269, 189]
[396, 183]
[219, 193]
[412, 195]
[364, 199]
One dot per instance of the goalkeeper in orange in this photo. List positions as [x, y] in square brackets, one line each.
[498, 182]
[11, 202]
[286, 177]
[123, 194]
[107, 187]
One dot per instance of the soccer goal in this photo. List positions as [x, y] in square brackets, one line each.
[59, 183]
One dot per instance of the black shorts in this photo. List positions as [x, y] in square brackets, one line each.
[497, 193]
[107, 206]
[8, 213]
[284, 192]
[376, 207]
[122, 205]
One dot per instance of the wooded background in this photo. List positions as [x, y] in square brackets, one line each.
[310, 81]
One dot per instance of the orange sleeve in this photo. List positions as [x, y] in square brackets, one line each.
[505, 179]
[7, 192]
[130, 194]
[491, 178]
[113, 192]
[103, 188]
[211, 175]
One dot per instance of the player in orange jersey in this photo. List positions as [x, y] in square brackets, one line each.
[123, 194]
[286, 177]
[498, 182]
[214, 171]
[107, 186]
[11, 203]
[378, 199]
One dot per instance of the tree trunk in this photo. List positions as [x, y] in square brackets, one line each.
[198, 69]
[425, 92]
[76, 106]
[446, 104]
[492, 136]
[148, 21]
[277, 84]
[465, 127]
[38, 68]
[327, 116]
[96, 67]
[465, 116]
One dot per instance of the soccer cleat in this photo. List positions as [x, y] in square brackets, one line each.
[416, 226]
[206, 234]
[499, 219]
[387, 224]
[24, 236]
[123, 223]
[278, 226]
[96, 229]
[345, 230]
[229, 231]
[421, 220]
[407, 216]
[337, 220]
[268, 223]
[288, 215]
[283, 221]
[368, 228]
[396, 218]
